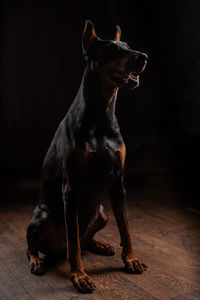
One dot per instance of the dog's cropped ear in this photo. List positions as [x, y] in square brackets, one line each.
[118, 33]
[88, 35]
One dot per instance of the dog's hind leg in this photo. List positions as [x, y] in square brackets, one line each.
[97, 223]
[36, 235]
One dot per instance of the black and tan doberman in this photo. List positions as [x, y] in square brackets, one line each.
[85, 161]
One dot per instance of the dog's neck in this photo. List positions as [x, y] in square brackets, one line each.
[92, 110]
[96, 95]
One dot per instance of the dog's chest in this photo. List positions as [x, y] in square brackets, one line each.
[100, 159]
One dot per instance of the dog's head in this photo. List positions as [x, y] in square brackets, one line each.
[118, 65]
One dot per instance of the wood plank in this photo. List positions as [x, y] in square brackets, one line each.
[161, 274]
[194, 295]
[13, 249]
[164, 236]
[55, 284]
[10, 287]
[109, 277]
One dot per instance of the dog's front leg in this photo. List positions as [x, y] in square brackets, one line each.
[79, 278]
[117, 196]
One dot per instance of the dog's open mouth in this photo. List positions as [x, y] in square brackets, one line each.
[125, 79]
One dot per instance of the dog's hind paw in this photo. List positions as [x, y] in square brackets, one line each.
[101, 248]
[82, 282]
[134, 266]
[36, 265]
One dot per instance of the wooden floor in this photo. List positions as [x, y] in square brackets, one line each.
[166, 236]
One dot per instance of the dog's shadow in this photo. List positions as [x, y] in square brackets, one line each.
[98, 271]
[61, 268]
[104, 270]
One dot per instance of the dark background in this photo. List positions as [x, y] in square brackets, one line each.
[42, 66]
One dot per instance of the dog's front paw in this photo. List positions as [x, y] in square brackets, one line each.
[82, 282]
[134, 265]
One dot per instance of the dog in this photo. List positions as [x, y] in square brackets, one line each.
[85, 161]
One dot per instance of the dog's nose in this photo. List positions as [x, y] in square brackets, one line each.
[140, 57]
[145, 57]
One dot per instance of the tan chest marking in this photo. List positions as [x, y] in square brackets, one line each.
[83, 155]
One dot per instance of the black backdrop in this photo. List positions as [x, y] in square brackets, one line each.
[42, 65]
